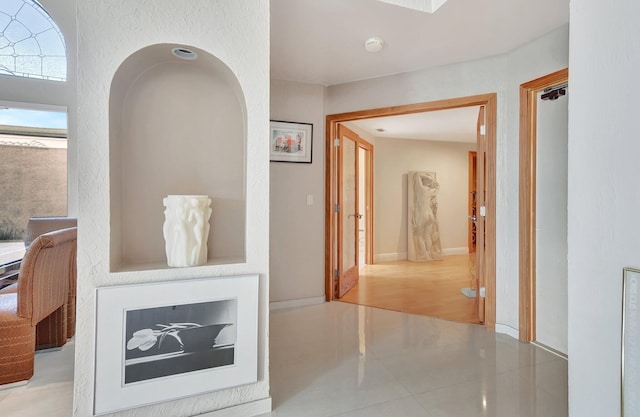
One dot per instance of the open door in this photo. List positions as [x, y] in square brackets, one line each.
[481, 213]
[348, 215]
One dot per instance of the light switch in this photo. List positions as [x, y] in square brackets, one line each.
[309, 199]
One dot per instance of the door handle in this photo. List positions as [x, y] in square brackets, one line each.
[358, 215]
[473, 218]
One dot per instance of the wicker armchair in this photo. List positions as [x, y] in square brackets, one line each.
[40, 225]
[41, 299]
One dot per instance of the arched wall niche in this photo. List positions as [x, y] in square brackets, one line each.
[176, 126]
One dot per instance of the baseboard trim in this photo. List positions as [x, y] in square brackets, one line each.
[300, 302]
[558, 353]
[250, 409]
[390, 257]
[508, 330]
[401, 256]
[455, 251]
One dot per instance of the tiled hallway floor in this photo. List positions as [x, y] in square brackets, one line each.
[339, 359]
[344, 360]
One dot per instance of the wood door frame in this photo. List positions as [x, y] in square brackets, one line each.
[332, 121]
[527, 198]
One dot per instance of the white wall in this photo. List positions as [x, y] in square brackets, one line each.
[604, 195]
[502, 75]
[237, 33]
[34, 91]
[297, 229]
[394, 158]
[551, 223]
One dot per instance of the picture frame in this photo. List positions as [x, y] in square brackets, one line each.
[163, 341]
[630, 384]
[290, 141]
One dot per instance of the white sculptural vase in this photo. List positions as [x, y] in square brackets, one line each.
[186, 229]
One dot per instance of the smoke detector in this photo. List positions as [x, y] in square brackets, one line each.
[373, 44]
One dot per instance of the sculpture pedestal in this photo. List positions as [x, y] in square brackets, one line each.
[186, 229]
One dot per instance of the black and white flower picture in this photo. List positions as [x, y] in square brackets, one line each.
[175, 339]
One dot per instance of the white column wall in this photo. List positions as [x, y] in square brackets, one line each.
[236, 32]
[604, 195]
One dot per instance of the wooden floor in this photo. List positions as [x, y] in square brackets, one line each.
[427, 288]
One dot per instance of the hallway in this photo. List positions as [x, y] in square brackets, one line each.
[426, 288]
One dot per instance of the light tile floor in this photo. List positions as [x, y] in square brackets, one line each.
[339, 359]
[49, 392]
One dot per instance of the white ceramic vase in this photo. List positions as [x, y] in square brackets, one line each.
[186, 229]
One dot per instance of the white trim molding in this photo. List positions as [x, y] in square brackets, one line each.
[390, 257]
[253, 408]
[508, 330]
[300, 302]
[455, 251]
[401, 256]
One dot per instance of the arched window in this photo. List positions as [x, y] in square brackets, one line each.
[31, 44]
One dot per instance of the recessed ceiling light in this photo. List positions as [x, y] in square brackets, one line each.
[373, 44]
[184, 53]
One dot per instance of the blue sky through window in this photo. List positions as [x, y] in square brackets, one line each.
[33, 118]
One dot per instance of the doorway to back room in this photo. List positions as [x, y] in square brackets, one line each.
[464, 266]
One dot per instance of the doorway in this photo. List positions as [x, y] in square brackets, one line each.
[333, 184]
[536, 284]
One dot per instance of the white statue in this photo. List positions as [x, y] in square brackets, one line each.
[423, 233]
[186, 229]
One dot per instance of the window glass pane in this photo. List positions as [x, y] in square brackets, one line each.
[33, 168]
[32, 19]
[11, 7]
[29, 34]
[6, 62]
[49, 41]
[33, 118]
[16, 31]
[29, 64]
[28, 46]
[4, 21]
[56, 66]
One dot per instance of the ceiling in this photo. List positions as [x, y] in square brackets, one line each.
[453, 125]
[322, 42]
